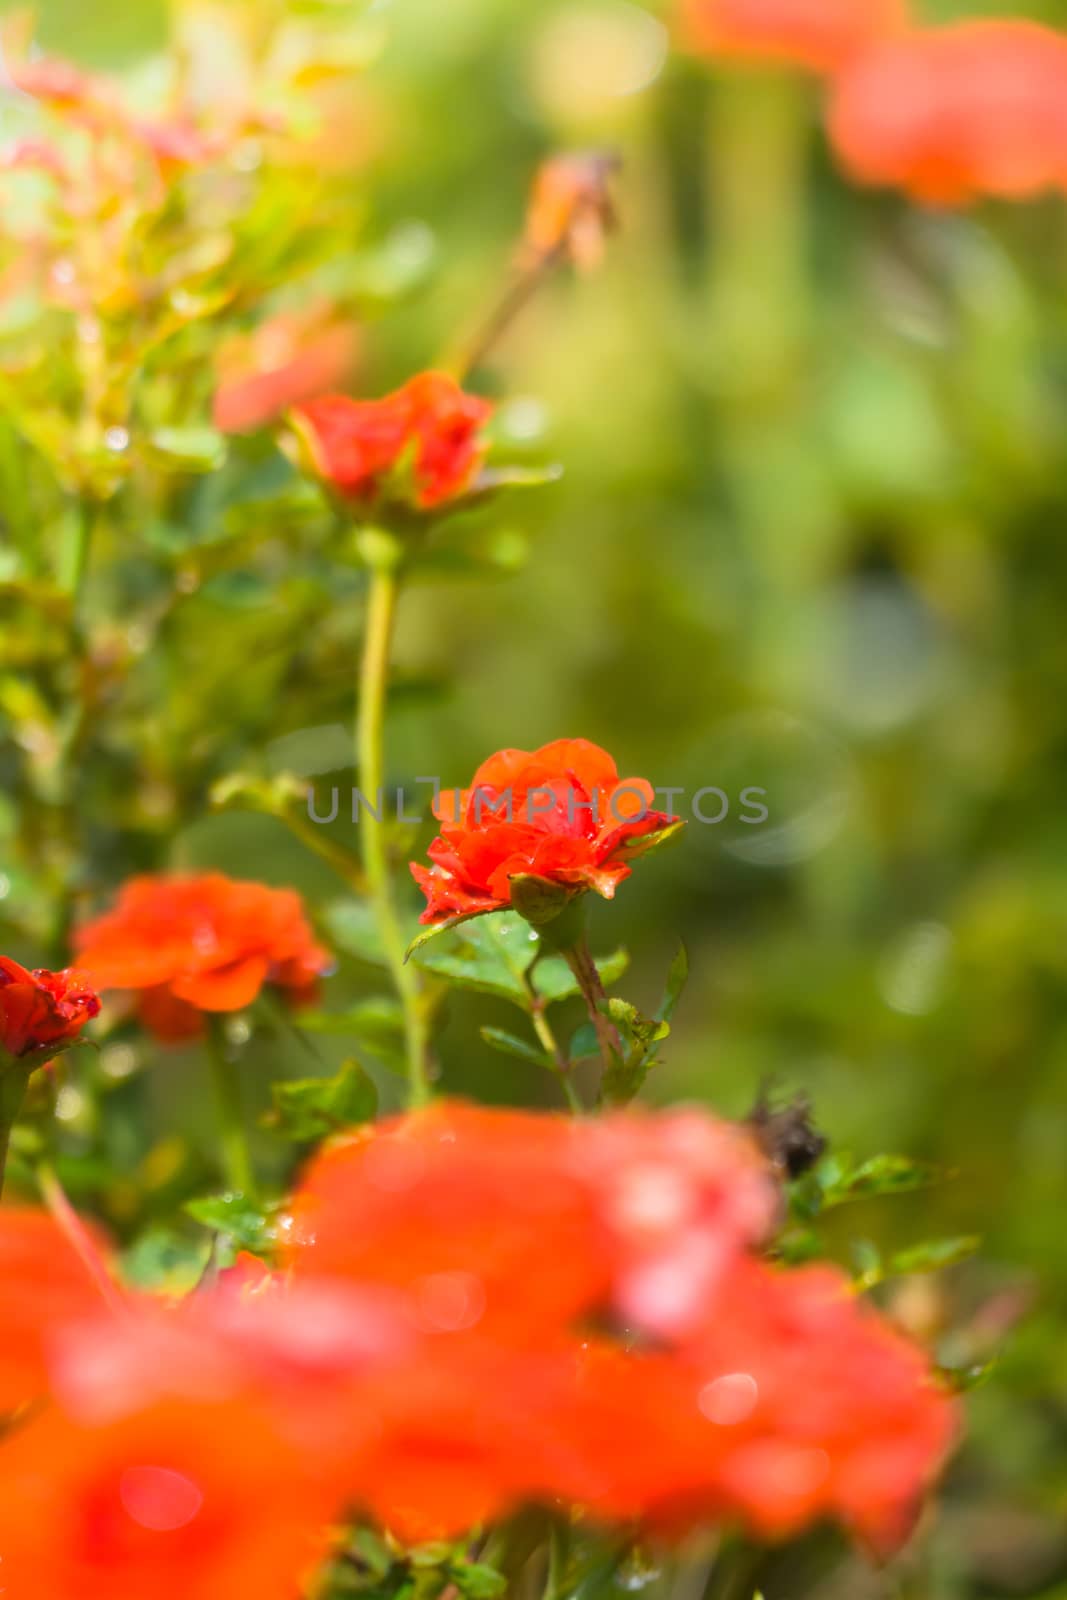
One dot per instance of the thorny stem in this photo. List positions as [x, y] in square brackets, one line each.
[233, 1136]
[587, 977]
[370, 751]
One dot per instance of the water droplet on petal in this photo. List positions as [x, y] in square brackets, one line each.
[159, 1499]
[730, 1399]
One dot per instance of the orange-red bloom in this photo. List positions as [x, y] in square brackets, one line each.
[186, 1499]
[955, 113]
[479, 1216]
[198, 944]
[44, 1283]
[821, 35]
[422, 444]
[561, 814]
[287, 361]
[740, 1393]
[40, 1010]
[518, 1223]
[793, 1402]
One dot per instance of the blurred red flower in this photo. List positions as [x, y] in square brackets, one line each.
[422, 444]
[818, 34]
[519, 1222]
[197, 944]
[979, 108]
[477, 1215]
[39, 1009]
[190, 1498]
[793, 1402]
[44, 1284]
[560, 814]
[287, 361]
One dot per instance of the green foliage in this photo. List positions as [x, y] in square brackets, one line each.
[312, 1108]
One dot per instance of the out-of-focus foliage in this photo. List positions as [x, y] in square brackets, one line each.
[809, 538]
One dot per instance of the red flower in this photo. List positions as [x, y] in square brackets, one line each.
[286, 361]
[429, 428]
[191, 1498]
[200, 944]
[958, 112]
[59, 83]
[520, 1222]
[44, 1283]
[560, 814]
[40, 1010]
[793, 1402]
[479, 1217]
[818, 34]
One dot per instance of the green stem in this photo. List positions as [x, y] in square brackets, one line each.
[758, 143]
[561, 1067]
[75, 554]
[233, 1136]
[74, 566]
[13, 1081]
[735, 1572]
[384, 557]
[558, 1556]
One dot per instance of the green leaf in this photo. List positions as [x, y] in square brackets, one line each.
[499, 954]
[477, 1581]
[351, 926]
[584, 1043]
[164, 1262]
[491, 955]
[187, 449]
[677, 978]
[837, 1182]
[249, 1226]
[509, 1045]
[307, 1109]
[964, 1380]
[438, 928]
[375, 1022]
[933, 1255]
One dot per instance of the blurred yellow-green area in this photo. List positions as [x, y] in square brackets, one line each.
[809, 537]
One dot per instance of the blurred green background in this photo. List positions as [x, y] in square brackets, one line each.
[810, 537]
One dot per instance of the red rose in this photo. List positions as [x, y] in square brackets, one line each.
[39, 1010]
[430, 427]
[196, 944]
[560, 814]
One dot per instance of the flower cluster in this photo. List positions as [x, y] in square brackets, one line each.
[559, 815]
[206, 943]
[947, 114]
[427, 1360]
